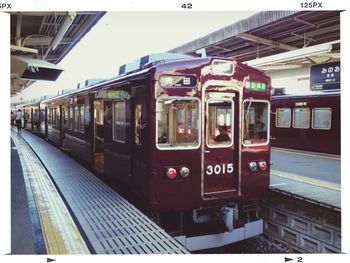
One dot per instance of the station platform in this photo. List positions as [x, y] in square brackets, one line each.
[314, 177]
[59, 207]
[68, 210]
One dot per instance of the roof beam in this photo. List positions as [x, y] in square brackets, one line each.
[24, 49]
[258, 20]
[18, 38]
[305, 37]
[267, 42]
[247, 52]
[316, 33]
[223, 48]
[305, 22]
[37, 13]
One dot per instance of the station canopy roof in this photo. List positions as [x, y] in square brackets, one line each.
[269, 33]
[40, 40]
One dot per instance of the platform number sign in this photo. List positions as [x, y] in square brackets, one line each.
[325, 76]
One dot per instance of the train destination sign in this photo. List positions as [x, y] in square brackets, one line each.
[255, 86]
[325, 76]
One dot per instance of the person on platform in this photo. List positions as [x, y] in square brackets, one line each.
[13, 116]
[19, 120]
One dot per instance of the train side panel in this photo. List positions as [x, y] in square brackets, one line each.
[76, 127]
[318, 131]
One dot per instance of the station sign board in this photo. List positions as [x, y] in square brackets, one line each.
[325, 76]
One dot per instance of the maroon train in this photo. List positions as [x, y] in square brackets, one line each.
[306, 122]
[187, 135]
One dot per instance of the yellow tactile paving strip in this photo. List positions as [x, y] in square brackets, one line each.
[304, 179]
[59, 230]
[323, 155]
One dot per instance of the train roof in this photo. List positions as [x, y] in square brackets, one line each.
[195, 61]
[98, 85]
[303, 96]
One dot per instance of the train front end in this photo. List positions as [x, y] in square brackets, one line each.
[211, 152]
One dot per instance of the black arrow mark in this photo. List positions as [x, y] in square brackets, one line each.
[50, 260]
[287, 259]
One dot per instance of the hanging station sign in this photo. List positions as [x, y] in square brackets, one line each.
[325, 76]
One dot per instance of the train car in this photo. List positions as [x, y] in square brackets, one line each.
[34, 116]
[31, 116]
[190, 136]
[306, 122]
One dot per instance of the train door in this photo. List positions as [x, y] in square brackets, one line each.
[31, 119]
[46, 122]
[61, 122]
[220, 145]
[98, 136]
[36, 120]
[139, 153]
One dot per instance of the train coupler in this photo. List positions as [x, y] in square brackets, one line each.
[229, 216]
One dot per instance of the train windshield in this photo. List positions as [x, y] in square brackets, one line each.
[177, 123]
[256, 122]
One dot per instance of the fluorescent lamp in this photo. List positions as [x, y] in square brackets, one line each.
[68, 20]
[294, 54]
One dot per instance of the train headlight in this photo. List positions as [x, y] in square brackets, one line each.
[171, 173]
[185, 172]
[262, 165]
[253, 166]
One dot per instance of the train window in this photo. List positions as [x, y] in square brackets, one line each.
[36, 116]
[27, 114]
[256, 122]
[222, 67]
[71, 117]
[48, 115]
[51, 116]
[138, 123]
[177, 123]
[119, 121]
[283, 117]
[301, 118]
[87, 115]
[54, 117]
[219, 123]
[65, 121]
[76, 118]
[81, 119]
[42, 115]
[321, 118]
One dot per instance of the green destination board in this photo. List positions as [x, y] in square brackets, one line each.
[255, 86]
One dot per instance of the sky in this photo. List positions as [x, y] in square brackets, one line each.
[120, 37]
